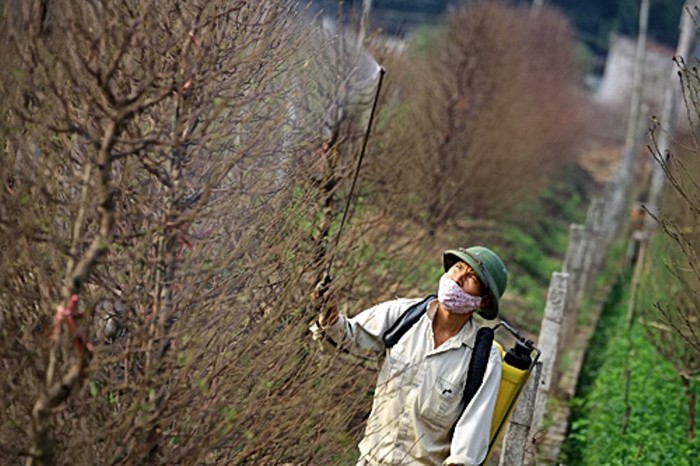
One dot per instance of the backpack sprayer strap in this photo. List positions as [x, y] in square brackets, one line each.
[409, 317]
[478, 362]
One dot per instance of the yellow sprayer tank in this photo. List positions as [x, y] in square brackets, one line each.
[512, 379]
[515, 369]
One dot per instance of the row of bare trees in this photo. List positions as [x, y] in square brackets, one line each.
[171, 181]
[667, 278]
[158, 181]
[670, 285]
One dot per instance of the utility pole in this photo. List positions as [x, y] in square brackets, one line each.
[668, 109]
[621, 181]
[364, 22]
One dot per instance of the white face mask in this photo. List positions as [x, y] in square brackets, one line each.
[455, 299]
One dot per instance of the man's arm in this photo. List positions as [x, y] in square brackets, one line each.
[365, 330]
[471, 437]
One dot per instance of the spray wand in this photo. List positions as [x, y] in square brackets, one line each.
[325, 282]
[327, 277]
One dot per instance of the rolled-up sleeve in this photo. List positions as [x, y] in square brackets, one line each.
[471, 436]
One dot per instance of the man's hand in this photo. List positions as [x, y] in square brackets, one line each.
[328, 315]
[321, 298]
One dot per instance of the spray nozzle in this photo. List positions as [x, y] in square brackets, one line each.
[516, 334]
[520, 355]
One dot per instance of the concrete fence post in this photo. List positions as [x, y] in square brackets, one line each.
[610, 201]
[517, 438]
[574, 253]
[597, 249]
[573, 266]
[595, 215]
[579, 288]
[548, 343]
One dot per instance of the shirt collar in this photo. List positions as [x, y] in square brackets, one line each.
[467, 333]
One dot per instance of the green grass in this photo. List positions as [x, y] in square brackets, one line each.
[607, 275]
[536, 238]
[656, 432]
[530, 267]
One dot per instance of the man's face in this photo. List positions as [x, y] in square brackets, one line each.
[462, 274]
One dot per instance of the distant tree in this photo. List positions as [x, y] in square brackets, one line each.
[489, 111]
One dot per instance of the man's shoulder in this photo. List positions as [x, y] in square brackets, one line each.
[403, 303]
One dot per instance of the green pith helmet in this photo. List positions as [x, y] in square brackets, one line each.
[488, 267]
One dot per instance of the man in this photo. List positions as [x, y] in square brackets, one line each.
[418, 415]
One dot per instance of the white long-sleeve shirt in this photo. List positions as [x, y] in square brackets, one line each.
[418, 398]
